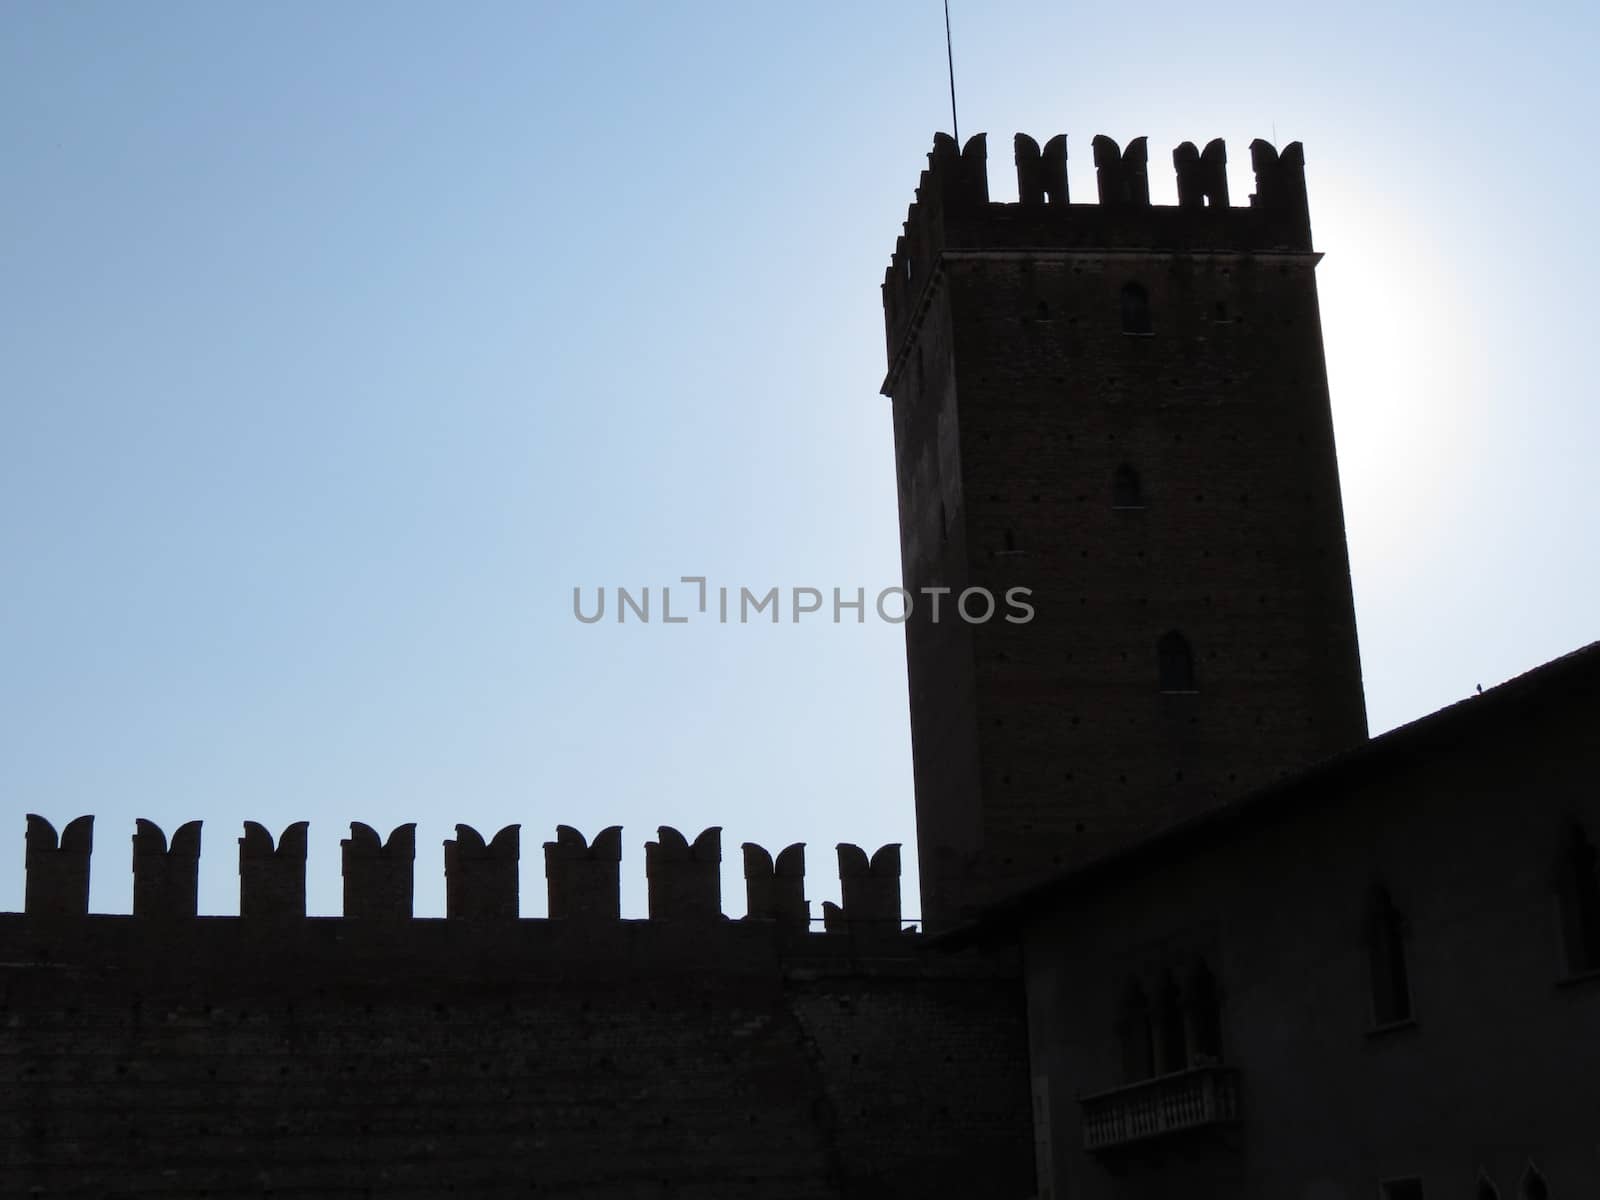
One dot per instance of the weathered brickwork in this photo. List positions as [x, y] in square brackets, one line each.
[484, 1055]
[1124, 409]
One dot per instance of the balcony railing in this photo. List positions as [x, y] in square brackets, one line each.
[1194, 1099]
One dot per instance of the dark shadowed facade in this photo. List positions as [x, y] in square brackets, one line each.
[1379, 978]
[163, 1054]
[1195, 935]
[1124, 408]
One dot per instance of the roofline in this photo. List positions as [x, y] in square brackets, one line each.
[1446, 724]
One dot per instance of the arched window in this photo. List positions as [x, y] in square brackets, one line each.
[1172, 1039]
[1135, 308]
[1135, 1033]
[1205, 1017]
[1386, 959]
[1533, 1185]
[1174, 662]
[1578, 892]
[1126, 491]
[1486, 1187]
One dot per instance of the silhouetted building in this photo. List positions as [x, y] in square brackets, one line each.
[1123, 407]
[1199, 936]
[1378, 978]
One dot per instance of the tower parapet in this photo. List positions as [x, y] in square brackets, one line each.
[1041, 174]
[952, 211]
[1122, 176]
[1202, 174]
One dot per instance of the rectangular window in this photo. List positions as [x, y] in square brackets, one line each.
[1386, 958]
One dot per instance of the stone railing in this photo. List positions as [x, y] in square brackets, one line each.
[1194, 1099]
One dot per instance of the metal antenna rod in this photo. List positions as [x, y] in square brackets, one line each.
[950, 59]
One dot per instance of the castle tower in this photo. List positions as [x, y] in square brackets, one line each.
[1123, 408]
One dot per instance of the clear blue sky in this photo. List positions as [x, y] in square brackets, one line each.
[341, 341]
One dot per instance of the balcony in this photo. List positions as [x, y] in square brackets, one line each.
[1199, 1098]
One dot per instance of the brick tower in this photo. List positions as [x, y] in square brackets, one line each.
[1124, 408]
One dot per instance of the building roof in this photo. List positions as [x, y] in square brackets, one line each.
[1574, 673]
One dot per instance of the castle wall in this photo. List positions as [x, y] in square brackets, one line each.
[377, 1055]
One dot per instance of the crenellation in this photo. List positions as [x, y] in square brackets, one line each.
[833, 918]
[776, 891]
[956, 180]
[481, 879]
[961, 174]
[58, 868]
[1122, 174]
[272, 879]
[584, 879]
[1202, 175]
[165, 878]
[1281, 183]
[378, 876]
[870, 887]
[952, 214]
[1041, 175]
[685, 881]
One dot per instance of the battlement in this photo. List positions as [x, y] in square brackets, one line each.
[952, 212]
[481, 877]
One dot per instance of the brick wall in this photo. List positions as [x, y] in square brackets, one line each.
[224, 1057]
[1017, 396]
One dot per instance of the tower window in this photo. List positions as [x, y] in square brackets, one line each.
[1126, 491]
[1578, 893]
[1135, 309]
[1386, 958]
[1175, 662]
